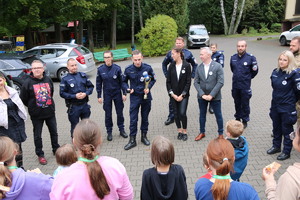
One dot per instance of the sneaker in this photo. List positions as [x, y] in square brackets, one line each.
[179, 137]
[42, 160]
[184, 137]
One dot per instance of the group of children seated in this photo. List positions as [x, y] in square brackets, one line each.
[224, 159]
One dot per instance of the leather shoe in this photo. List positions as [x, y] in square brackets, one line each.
[184, 137]
[273, 150]
[220, 137]
[42, 160]
[144, 139]
[283, 156]
[200, 136]
[109, 137]
[245, 124]
[210, 109]
[123, 134]
[131, 143]
[179, 137]
[169, 121]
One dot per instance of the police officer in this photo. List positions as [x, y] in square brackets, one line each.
[216, 56]
[109, 77]
[75, 88]
[244, 68]
[286, 88]
[142, 79]
[188, 56]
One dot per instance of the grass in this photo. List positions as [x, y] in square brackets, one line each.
[121, 45]
[252, 35]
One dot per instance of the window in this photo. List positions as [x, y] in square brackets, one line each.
[48, 53]
[297, 8]
[296, 28]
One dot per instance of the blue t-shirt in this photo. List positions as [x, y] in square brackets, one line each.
[237, 191]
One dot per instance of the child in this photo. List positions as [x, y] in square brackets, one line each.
[166, 180]
[208, 175]
[65, 156]
[15, 182]
[234, 130]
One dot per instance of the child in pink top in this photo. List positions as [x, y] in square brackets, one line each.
[92, 177]
[208, 175]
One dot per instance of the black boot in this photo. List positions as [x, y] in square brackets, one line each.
[131, 143]
[144, 139]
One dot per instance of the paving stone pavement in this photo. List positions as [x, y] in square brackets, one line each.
[189, 153]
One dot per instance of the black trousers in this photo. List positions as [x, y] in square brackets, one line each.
[37, 134]
[180, 112]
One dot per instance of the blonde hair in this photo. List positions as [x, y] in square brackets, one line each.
[235, 128]
[291, 58]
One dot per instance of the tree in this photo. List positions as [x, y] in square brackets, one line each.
[234, 23]
[177, 9]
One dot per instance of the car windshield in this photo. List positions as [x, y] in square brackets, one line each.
[198, 31]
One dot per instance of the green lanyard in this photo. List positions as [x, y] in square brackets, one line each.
[87, 160]
[221, 177]
[12, 167]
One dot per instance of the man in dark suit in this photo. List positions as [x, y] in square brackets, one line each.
[209, 79]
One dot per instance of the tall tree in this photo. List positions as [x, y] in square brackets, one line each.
[177, 9]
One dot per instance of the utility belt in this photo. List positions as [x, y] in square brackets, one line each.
[70, 103]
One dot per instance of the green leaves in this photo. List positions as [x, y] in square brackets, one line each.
[158, 36]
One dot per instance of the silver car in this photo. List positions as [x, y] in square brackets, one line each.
[56, 56]
[197, 36]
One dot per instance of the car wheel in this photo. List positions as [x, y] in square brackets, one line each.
[17, 86]
[283, 41]
[61, 73]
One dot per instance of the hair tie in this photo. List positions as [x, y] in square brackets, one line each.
[225, 159]
[1, 163]
[88, 160]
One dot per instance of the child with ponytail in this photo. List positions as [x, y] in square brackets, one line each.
[220, 157]
[92, 176]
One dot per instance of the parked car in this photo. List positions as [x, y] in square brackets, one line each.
[286, 36]
[56, 56]
[17, 69]
[18, 66]
[197, 36]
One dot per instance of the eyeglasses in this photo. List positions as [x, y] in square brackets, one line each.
[292, 135]
[106, 57]
[35, 68]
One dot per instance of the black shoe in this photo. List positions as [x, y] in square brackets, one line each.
[210, 109]
[179, 137]
[169, 121]
[109, 137]
[144, 139]
[273, 150]
[123, 134]
[283, 156]
[184, 137]
[245, 124]
[131, 143]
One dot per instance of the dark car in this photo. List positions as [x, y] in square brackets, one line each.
[18, 66]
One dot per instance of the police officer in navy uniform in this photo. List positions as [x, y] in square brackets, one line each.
[109, 77]
[244, 68]
[75, 88]
[139, 74]
[188, 56]
[218, 57]
[286, 89]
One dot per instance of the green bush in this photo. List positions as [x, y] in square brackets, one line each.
[275, 28]
[158, 35]
[244, 31]
[264, 28]
[252, 30]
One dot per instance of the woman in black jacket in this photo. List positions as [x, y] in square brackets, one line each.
[178, 86]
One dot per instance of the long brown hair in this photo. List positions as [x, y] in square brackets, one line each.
[87, 138]
[7, 149]
[220, 155]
